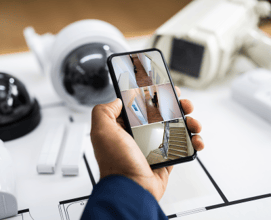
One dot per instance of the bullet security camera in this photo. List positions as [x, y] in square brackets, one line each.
[201, 41]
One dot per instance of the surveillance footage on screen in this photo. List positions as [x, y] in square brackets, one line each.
[151, 106]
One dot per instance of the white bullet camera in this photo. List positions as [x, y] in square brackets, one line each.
[201, 41]
[8, 201]
[75, 60]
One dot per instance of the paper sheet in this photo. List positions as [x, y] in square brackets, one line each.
[236, 158]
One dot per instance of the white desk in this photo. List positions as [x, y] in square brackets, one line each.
[238, 148]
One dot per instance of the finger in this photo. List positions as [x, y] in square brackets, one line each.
[197, 142]
[121, 122]
[187, 106]
[162, 174]
[103, 111]
[169, 169]
[115, 107]
[178, 91]
[193, 125]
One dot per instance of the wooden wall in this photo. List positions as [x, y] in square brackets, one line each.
[133, 18]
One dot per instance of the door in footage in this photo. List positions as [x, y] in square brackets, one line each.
[151, 106]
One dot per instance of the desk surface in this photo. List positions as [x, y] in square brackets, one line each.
[230, 180]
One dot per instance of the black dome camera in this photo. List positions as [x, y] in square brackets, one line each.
[19, 112]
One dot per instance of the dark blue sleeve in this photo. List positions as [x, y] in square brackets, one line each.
[117, 197]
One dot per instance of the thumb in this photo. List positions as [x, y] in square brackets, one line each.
[103, 112]
[114, 108]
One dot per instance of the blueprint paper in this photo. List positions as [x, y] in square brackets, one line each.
[258, 209]
[189, 182]
[235, 163]
[238, 143]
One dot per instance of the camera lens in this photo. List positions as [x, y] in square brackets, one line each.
[85, 75]
[15, 101]
[186, 57]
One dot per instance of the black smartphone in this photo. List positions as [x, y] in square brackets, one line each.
[151, 110]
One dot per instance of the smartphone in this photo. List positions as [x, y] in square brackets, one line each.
[152, 113]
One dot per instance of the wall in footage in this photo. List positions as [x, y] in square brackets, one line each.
[152, 89]
[128, 97]
[122, 64]
[168, 106]
[160, 75]
[149, 137]
[140, 97]
[146, 62]
[123, 81]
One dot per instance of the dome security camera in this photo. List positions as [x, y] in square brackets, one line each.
[19, 111]
[202, 40]
[75, 60]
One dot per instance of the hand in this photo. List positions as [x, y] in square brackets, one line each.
[117, 152]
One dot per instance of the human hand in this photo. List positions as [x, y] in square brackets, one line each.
[117, 152]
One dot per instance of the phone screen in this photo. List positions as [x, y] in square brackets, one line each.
[152, 107]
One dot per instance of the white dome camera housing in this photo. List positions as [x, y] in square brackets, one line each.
[75, 60]
[8, 201]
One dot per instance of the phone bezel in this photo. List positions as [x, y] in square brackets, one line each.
[124, 114]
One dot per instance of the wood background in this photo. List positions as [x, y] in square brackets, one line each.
[133, 18]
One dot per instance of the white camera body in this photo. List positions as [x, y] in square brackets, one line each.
[201, 41]
[52, 50]
[8, 202]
